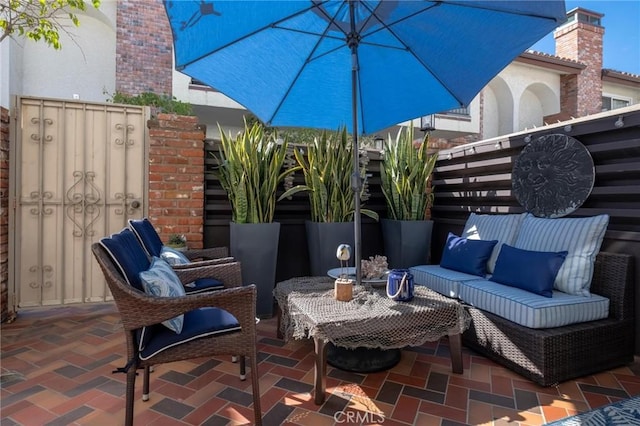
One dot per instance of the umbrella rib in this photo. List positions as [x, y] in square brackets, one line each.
[310, 56]
[323, 35]
[388, 27]
[248, 35]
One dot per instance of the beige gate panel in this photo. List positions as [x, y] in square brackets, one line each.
[124, 157]
[81, 174]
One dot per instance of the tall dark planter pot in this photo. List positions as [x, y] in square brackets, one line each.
[406, 242]
[323, 238]
[255, 245]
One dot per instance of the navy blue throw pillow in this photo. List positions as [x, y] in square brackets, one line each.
[465, 255]
[533, 271]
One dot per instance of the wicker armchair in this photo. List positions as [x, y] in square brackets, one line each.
[152, 244]
[235, 334]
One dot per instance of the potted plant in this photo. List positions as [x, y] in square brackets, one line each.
[177, 242]
[250, 171]
[405, 171]
[327, 167]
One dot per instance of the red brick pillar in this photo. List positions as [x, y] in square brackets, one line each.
[144, 57]
[4, 214]
[176, 177]
[581, 40]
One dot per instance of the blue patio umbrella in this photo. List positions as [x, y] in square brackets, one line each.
[366, 65]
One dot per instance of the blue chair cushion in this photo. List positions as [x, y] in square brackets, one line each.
[173, 256]
[202, 285]
[533, 271]
[160, 280]
[197, 323]
[128, 255]
[147, 235]
[465, 255]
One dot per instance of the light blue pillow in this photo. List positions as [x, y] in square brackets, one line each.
[468, 256]
[580, 237]
[173, 256]
[533, 271]
[161, 280]
[501, 227]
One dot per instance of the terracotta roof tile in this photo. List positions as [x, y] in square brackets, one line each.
[548, 55]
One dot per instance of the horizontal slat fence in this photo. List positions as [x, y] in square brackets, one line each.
[475, 178]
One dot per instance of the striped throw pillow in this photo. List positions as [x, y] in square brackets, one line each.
[503, 227]
[580, 237]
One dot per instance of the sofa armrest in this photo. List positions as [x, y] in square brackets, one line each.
[612, 278]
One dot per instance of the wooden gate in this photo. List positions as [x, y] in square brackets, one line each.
[79, 171]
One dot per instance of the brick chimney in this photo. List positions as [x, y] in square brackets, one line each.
[144, 56]
[580, 39]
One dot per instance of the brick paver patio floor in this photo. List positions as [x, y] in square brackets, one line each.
[57, 368]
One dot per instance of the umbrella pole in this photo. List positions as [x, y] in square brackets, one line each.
[356, 179]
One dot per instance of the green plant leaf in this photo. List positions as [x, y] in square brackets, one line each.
[327, 168]
[405, 172]
[250, 169]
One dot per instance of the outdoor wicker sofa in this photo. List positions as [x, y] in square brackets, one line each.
[553, 355]
[544, 301]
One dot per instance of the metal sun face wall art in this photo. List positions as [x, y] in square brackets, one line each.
[553, 176]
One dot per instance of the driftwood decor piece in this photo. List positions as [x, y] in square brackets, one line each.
[553, 176]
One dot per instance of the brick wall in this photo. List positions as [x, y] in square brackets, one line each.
[176, 177]
[144, 61]
[4, 214]
[581, 94]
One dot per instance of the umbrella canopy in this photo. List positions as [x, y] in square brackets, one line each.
[290, 62]
[366, 65]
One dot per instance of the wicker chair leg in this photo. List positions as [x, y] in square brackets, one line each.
[130, 396]
[243, 368]
[255, 389]
[145, 385]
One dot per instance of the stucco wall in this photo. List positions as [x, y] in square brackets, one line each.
[623, 92]
[85, 66]
[518, 98]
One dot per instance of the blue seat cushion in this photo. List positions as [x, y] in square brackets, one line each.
[147, 235]
[127, 255]
[198, 323]
[530, 309]
[444, 281]
[202, 285]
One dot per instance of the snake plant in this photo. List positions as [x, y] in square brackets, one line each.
[405, 171]
[250, 170]
[327, 168]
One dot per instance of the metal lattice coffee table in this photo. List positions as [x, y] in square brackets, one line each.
[369, 320]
